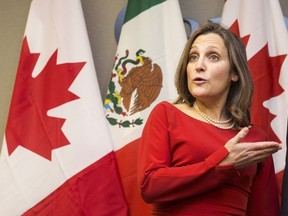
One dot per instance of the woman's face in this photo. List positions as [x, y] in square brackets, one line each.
[208, 69]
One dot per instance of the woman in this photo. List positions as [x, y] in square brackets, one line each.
[201, 155]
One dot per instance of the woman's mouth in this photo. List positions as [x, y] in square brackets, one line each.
[199, 80]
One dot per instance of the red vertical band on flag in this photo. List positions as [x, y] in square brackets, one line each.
[128, 174]
[90, 192]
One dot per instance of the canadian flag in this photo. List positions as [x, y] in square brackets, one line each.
[260, 24]
[57, 157]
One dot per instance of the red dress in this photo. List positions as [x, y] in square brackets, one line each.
[178, 171]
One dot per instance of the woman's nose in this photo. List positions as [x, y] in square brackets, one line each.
[200, 65]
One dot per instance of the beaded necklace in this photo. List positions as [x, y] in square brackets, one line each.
[212, 121]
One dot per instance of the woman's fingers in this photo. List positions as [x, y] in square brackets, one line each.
[240, 135]
[261, 145]
[247, 153]
[255, 152]
[236, 139]
[242, 154]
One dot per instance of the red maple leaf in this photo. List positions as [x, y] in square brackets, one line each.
[265, 70]
[28, 124]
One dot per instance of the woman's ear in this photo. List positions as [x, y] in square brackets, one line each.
[234, 77]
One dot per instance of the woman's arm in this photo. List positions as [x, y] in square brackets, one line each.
[263, 199]
[159, 181]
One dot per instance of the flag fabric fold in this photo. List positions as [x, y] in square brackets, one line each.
[151, 41]
[57, 156]
[261, 25]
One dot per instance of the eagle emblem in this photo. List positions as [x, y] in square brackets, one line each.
[135, 84]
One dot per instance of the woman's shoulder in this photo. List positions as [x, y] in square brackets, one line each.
[170, 106]
[163, 105]
[170, 110]
[257, 129]
[161, 110]
[257, 132]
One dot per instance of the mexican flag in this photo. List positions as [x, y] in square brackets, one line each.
[151, 41]
[260, 24]
[57, 156]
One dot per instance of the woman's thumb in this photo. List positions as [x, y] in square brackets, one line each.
[241, 134]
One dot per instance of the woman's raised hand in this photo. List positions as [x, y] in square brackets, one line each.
[243, 154]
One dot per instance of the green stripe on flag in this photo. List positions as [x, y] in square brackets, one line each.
[136, 7]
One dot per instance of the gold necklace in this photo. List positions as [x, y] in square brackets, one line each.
[212, 121]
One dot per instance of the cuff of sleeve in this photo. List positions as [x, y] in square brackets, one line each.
[217, 156]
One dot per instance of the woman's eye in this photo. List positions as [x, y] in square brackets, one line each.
[193, 58]
[214, 58]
